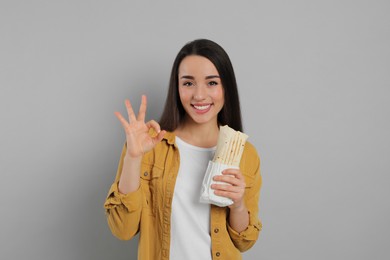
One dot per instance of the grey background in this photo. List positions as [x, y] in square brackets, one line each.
[314, 85]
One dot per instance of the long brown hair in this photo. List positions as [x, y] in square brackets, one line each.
[174, 113]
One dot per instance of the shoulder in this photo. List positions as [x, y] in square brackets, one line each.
[250, 161]
[250, 151]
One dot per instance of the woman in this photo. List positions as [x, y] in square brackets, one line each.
[157, 186]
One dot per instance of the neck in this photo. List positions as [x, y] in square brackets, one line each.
[202, 135]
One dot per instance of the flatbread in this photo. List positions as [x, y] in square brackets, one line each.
[230, 146]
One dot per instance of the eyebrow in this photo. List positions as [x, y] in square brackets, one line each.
[191, 77]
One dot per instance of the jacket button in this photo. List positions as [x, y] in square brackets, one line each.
[146, 173]
[218, 254]
[216, 230]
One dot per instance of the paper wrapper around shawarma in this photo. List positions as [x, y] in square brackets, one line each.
[228, 154]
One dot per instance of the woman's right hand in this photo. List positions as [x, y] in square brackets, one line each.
[137, 131]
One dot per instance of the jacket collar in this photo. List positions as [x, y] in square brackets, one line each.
[170, 137]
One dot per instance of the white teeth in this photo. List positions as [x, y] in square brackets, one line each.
[202, 107]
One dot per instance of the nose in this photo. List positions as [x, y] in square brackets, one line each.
[200, 93]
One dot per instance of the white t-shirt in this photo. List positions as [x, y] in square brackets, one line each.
[190, 219]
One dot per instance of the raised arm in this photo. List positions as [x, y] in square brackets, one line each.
[124, 201]
[138, 142]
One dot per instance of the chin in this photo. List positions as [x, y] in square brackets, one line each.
[202, 121]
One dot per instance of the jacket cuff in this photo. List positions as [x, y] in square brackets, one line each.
[131, 201]
[251, 233]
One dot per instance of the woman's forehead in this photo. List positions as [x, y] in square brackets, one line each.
[195, 65]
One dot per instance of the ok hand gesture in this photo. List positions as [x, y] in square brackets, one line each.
[137, 131]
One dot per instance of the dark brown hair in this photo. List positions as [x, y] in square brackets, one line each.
[174, 113]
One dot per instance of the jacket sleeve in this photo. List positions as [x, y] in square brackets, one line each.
[123, 211]
[247, 238]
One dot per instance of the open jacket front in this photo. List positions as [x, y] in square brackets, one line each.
[148, 210]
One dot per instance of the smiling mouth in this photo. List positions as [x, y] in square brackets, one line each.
[202, 107]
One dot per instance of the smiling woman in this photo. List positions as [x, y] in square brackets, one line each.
[200, 90]
[158, 183]
[219, 63]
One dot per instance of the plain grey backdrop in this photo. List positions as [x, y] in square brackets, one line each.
[314, 79]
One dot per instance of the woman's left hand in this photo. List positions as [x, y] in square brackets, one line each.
[234, 188]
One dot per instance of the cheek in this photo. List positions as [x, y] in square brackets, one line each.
[218, 94]
[184, 94]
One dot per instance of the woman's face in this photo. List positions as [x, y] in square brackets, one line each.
[200, 89]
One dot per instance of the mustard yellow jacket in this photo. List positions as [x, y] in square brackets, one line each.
[148, 210]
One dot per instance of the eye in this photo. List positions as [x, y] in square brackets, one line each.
[188, 84]
[213, 83]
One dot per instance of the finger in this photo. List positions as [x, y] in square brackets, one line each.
[228, 188]
[130, 111]
[142, 109]
[224, 187]
[159, 137]
[153, 124]
[230, 180]
[227, 194]
[235, 172]
[122, 120]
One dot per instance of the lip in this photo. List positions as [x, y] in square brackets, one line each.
[202, 108]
